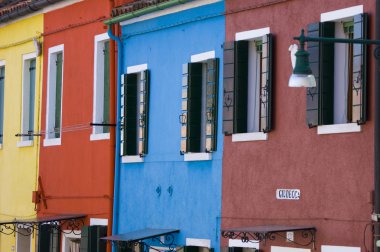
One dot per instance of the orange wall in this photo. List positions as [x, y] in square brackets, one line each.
[76, 175]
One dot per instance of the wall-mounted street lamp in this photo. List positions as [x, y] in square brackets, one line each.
[302, 75]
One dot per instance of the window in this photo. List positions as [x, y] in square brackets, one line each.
[247, 76]
[49, 238]
[54, 96]
[28, 96]
[101, 111]
[135, 112]
[2, 80]
[340, 70]
[199, 104]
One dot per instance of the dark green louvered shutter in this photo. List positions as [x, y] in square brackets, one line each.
[44, 238]
[235, 249]
[359, 71]
[312, 94]
[32, 78]
[2, 78]
[55, 240]
[85, 239]
[144, 112]
[130, 114]
[90, 239]
[266, 84]
[106, 92]
[58, 95]
[228, 87]
[241, 86]
[212, 79]
[191, 249]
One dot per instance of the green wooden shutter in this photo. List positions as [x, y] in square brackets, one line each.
[101, 231]
[2, 78]
[44, 238]
[228, 87]
[90, 239]
[32, 77]
[106, 92]
[184, 108]
[194, 103]
[58, 95]
[266, 84]
[359, 74]
[130, 114]
[312, 94]
[326, 80]
[241, 86]
[55, 240]
[212, 79]
[144, 112]
[84, 239]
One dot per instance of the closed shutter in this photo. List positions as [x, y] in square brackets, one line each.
[312, 94]
[144, 112]
[359, 71]
[212, 79]
[266, 84]
[194, 107]
[58, 95]
[228, 87]
[241, 86]
[106, 92]
[130, 114]
[90, 239]
[101, 231]
[44, 238]
[32, 77]
[2, 78]
[55, 240]
[84, 239]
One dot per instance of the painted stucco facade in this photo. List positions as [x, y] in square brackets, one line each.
[18, 159]
[333, 172]
[164, 191]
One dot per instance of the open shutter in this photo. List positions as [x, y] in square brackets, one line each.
[90, 239]
[32, 77]
[44, 238]
[106, 92]
[312, 94]
[144, 112]
[2, 78]
[101, 231]
[228, 87]
[194, 106]
[84, 239]
[55, 240]
[266, 84]
[130, 114]
[241, 86]
[212, 79]
[58, 96]
[123, 146]
[184, 108]
[359, 71]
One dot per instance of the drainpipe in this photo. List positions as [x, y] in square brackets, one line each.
[377, 128]
[115, 226]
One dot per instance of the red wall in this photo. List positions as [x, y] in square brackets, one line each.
[76, 175]
[333, 172]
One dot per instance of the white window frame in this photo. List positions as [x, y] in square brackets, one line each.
[251, 136]
[23, 236]
[50, 117]
[26, 58]
[98, 97]
[67, 235]
[134, 158]
[200, 156]
[2, 64]
[335, 16]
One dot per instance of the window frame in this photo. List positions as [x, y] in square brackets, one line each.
[51, 80]
[134, 70]
[334, 16]
[98, 88]
[251, 35]
[2, 64]
[26, 141]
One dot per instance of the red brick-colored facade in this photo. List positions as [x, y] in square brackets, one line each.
[334, 172]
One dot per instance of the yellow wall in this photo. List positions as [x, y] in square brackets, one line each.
[18, 165]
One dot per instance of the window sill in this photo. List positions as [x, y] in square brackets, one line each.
[52, 142]
[26, 143]
[132, 159]
[253, 136]
[99, 136]
[338, 128]
[202, 156]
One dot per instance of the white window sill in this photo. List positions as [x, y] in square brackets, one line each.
[253, 136]
[26, 143]
[132, 159]
[52, 142]
[338, 128]
[99, 136]
[202, 156]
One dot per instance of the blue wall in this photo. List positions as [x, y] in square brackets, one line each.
[195, 205]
